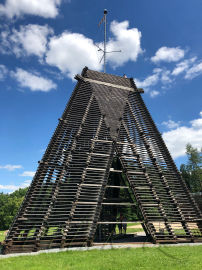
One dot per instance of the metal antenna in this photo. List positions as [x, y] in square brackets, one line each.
[105, 41]
[105, 38]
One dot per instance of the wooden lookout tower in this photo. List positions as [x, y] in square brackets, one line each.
[104, 120]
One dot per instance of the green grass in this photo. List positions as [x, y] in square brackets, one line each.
[166, 258]
[134, 230]
[132, 224]
[131, 230]
[2, 236]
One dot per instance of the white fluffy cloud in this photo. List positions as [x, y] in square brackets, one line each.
[166, 54]
[190, 67]
[171, 124]
[125, 39]
[3, 72]
[148, 81]
[30, 39]
[43, 8]
[12, 188]
[70, 52]
[10, 167]
[197, 123]
[194, 71]
[177, 139]
[28, 173]
[33, 81]
[183, 66]
[160, 75]
[166, 77]
[180, 68]
[154, 93]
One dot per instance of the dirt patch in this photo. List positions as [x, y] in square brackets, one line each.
[139, 226]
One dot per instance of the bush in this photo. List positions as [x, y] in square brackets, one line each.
[9, 205]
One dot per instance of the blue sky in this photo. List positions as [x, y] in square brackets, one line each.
[44, 43]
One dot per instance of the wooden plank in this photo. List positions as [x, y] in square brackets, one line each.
[116, 171]
[110, 186]
[95, 169]
[109, 84]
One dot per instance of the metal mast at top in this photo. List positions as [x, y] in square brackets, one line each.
[104, 19]
[105, 38]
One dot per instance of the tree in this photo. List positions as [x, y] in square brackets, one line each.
[192, 172]
[9, 205]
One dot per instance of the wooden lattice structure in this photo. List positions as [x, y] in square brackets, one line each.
[105, 117]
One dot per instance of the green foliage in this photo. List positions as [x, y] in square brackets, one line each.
[21, 192]
[194, 156]
[128, 212]
[2, 236]
[192, 172]
[145, 258]
[9, 205]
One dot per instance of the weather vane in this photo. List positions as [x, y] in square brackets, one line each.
[104, 19]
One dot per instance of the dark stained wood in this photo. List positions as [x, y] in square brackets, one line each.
[105, 117]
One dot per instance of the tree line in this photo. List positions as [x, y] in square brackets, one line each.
[9, 205]
[191, 173]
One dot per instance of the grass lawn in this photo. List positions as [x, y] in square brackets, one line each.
[2, 236]
[134, 230]
[132, 224]
[166, 258]
[131, 230]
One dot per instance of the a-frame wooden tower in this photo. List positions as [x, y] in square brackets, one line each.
[105, 116]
